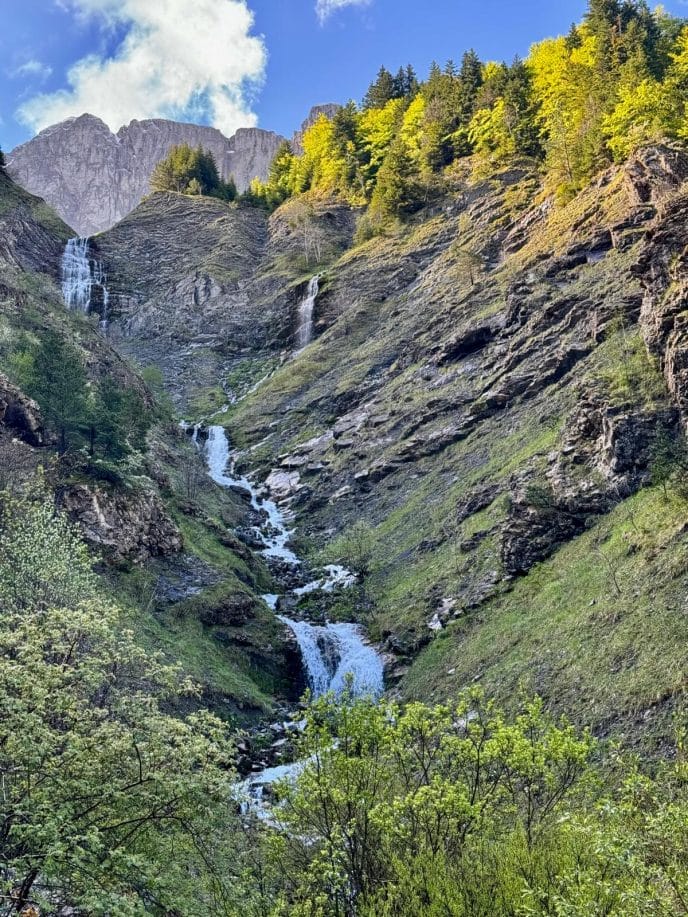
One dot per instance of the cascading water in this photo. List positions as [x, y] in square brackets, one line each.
[332, 652]
[335, 656]
[81, 274]
[304, 330]
[336, 659]
[76, 275]
[275, 541]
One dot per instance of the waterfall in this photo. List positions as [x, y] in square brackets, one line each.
[335, 657]
[335, 653]
[304, 330]
[81, 274]
[277, 537]
[76, 275]
[332, 652]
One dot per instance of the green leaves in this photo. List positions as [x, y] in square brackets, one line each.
[108, 803]
[193, 171]
[407, 806]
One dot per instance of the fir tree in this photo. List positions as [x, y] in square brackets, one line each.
[190, 170]
[471, 78]
[119, 421]
[59, 385]
[382, 91]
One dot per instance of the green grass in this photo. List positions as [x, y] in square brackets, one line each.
[566, 632]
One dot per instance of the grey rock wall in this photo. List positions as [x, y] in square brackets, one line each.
[93, 178]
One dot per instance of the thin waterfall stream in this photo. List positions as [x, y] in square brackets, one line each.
[304, 328]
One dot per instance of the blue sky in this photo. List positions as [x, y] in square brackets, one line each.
[238, 62]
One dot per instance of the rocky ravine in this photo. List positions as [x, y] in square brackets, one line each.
[93, 178]
[479, 389]
[161, 531]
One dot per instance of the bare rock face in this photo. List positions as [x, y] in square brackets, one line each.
[93, 178]
[131, 526]
[20, 414]
[662, 269]
[606, 456]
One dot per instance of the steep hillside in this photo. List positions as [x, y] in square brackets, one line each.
[161, 529]
[486, 391]
[209, 291]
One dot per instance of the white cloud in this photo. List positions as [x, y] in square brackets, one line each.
[32, 68]
[177, 59]
[325, 8]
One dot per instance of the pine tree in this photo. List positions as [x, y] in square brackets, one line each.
[190, 170]
[119, 421]
[59, 385]
[398, 191]
[382, 91]
[471, 78]
[406, 83]
[603, 19]
[412, 84]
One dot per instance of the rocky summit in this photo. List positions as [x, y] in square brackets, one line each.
[93, 177]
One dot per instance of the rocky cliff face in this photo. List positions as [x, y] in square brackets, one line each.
[485, 388]
[93, 178]
[198, 285]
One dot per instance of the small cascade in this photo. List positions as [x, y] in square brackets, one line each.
[304, 329]
[334, 654]
[335, 657]
[218, 459]
[82, 275]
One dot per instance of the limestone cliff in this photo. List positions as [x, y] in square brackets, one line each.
[93, 178]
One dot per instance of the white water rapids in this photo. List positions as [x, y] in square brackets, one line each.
[333, 654]
[81, 274]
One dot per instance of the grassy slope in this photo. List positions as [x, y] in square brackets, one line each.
[615, 659]
[600, 629]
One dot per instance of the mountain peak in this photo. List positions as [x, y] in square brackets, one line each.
[93, 177]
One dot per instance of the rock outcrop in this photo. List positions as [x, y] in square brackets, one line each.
[20, 414]
[32, 237]
[125, 526]
[662, 269]
[93, 178]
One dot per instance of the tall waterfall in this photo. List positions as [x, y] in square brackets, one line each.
[304, 330]
[81, 275]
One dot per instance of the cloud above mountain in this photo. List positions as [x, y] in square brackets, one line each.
[325, 8]
[174, 59]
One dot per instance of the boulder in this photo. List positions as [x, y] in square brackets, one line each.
[125, 525]
[230, 610]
